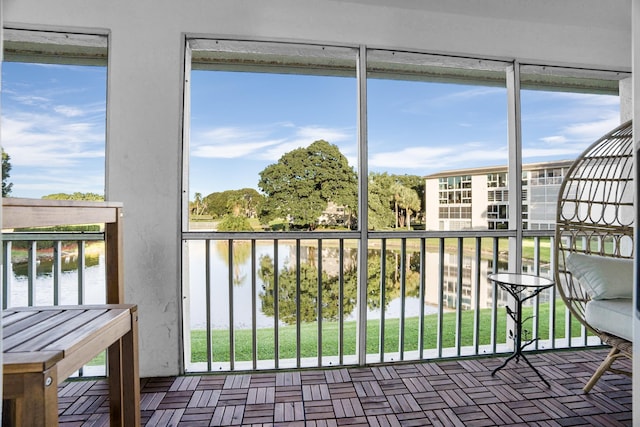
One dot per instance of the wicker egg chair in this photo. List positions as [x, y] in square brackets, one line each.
[595, 216]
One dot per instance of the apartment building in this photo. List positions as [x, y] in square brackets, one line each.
[478, 198]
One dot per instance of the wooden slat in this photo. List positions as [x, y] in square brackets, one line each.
[15, 363]
[19, 213]
[11, 317]
[123, 307]
[20, 333]
[51, 336]
[70, 338]
[82, 352]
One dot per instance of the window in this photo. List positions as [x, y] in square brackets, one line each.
[563, 112]
[257, 109]
[431, 115]
[54, 113]
[433, 143]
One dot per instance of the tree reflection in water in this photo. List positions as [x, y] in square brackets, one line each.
[241, 253]
[330, 287]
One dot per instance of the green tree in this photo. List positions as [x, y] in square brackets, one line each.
[299, 186]
[234, 223]
[380, 196]
[241, 251]
[408, 201]
[6, 168]
[309, 300]
[287, 283]
[91, 197]
[245, 202]
[198, 205]
[393, 274]
[416, 183]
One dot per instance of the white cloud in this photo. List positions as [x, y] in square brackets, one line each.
[592, 130]
[45, 140]
[265, 143]
[428, 104]
[68, 111]
[555, 139]
[65, 182]
[232, 150]
[431, 159]
[314, 133]
[566, 152]
[31, 100]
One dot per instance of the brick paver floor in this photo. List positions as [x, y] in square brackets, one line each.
[446, 393]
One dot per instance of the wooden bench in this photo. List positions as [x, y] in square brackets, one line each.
[43, 346]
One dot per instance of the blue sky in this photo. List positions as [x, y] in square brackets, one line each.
[53, 128]
[53, 125]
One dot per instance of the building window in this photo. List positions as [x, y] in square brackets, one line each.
[497, 180]
[451, 190]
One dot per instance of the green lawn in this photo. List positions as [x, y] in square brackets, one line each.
[309, 335]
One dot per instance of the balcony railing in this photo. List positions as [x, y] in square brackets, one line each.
[288, 300]
[55, 268]
[50, 255]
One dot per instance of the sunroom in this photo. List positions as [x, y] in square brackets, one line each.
[486, 105]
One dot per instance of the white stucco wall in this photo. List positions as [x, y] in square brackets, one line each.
[145, 92]
[479, 201]
[431, 215]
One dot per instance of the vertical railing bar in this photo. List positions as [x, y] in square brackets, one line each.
[440, 296]
[403, 291]
[421, 293]
[276, 307]
[458, 343]
[298, 318]
[476, 297]
[319, 308]
[31, 264]
[207, 284]
[601, 245]
[567, 327]
[81, 282]
[494, 297]
[254, 308]
[552, 297]
[341, 303]
[567, 312]
[383, 294]
[81, 275]
[232, 350]
[6, 274]
[536, 300]
[57, 271]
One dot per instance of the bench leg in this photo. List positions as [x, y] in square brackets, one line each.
[124, 379]
[36, 405]
[131, 375]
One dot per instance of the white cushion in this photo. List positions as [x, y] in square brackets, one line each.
[602, 277]
[612, 315]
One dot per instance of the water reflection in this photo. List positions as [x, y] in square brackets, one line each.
[93, 284]
[313, 261]
[332, 285]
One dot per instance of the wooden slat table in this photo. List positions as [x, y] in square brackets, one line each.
[43, 346]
